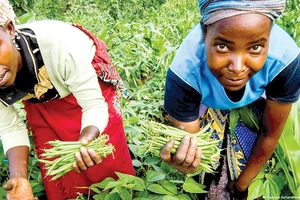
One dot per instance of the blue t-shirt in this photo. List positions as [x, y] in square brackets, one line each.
[189, 81]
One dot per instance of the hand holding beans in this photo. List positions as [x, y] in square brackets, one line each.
[187, 157]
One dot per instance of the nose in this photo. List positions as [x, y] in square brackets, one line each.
[237, 63]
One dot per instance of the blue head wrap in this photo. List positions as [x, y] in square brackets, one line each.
[215, 10]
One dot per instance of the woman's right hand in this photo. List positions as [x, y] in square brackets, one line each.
[18, 188]
[187, 157]
[86, 158]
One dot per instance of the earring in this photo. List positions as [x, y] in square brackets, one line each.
[15, 43]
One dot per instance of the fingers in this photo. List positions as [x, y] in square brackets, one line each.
[94, 156]
[76, 168]
[165, 152]
[88, 134]
[186, 151]
[197, 158]
[233, 188]
[187, 157]
[18, 188]
[195, 164]
[85, 158]
[230, 185]
[80, 162]
[8, 186]
[86, 140]
[11, 183]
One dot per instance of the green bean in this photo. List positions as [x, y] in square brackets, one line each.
[64, 154]
[157, 135]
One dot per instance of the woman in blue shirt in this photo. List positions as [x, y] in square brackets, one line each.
[235, 57]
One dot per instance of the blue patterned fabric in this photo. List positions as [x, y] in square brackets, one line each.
[246, 138]
[214, 10]
[240, 144]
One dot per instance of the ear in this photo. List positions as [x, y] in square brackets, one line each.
[204, 30]
[10, 27]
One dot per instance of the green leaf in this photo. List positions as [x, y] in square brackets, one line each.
[280, 156]
[168, 197]
[169, 186]
[112, 196]
[152, 176]
[158, 189]
[129, 186]
[136, 163]
[138, 182]
[112, 185]
[135, 149]
[152, 160]
[255, 189]
[2, 193]
[191, 186]
[125, 178]
[165, 167]
[249, 118]
[34, 183]
[142, 150]
[124, 194]
[270, 190]
[142, 194]
[96, 190]
[289, 146]
[100, 195]
[183, 197]
[158, 169]
[103, 183]
[27, 17]
[298, 192]
[155, 196]
[277, 179]
[233, 119]
[38, 188]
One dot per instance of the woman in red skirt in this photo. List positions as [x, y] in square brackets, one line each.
[65, 78]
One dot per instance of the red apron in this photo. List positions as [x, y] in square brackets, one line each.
[61, 119]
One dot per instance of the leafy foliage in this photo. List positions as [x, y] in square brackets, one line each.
[290, 19]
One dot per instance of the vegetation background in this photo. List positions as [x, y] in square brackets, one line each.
[142, 37]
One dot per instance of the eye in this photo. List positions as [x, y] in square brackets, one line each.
[222, 48]
[256, 49]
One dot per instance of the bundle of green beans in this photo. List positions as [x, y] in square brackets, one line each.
[157, 135]
[64, 154]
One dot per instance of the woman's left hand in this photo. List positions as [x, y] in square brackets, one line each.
[236, 191]
[18, 188]
[87, 157]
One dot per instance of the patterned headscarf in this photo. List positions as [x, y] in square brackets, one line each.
[215, 10]
[6, 12]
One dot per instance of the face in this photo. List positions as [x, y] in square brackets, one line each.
[236, 48]
[9, 56]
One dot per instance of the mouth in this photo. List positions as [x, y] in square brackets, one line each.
[3, 78]
[235, 82]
